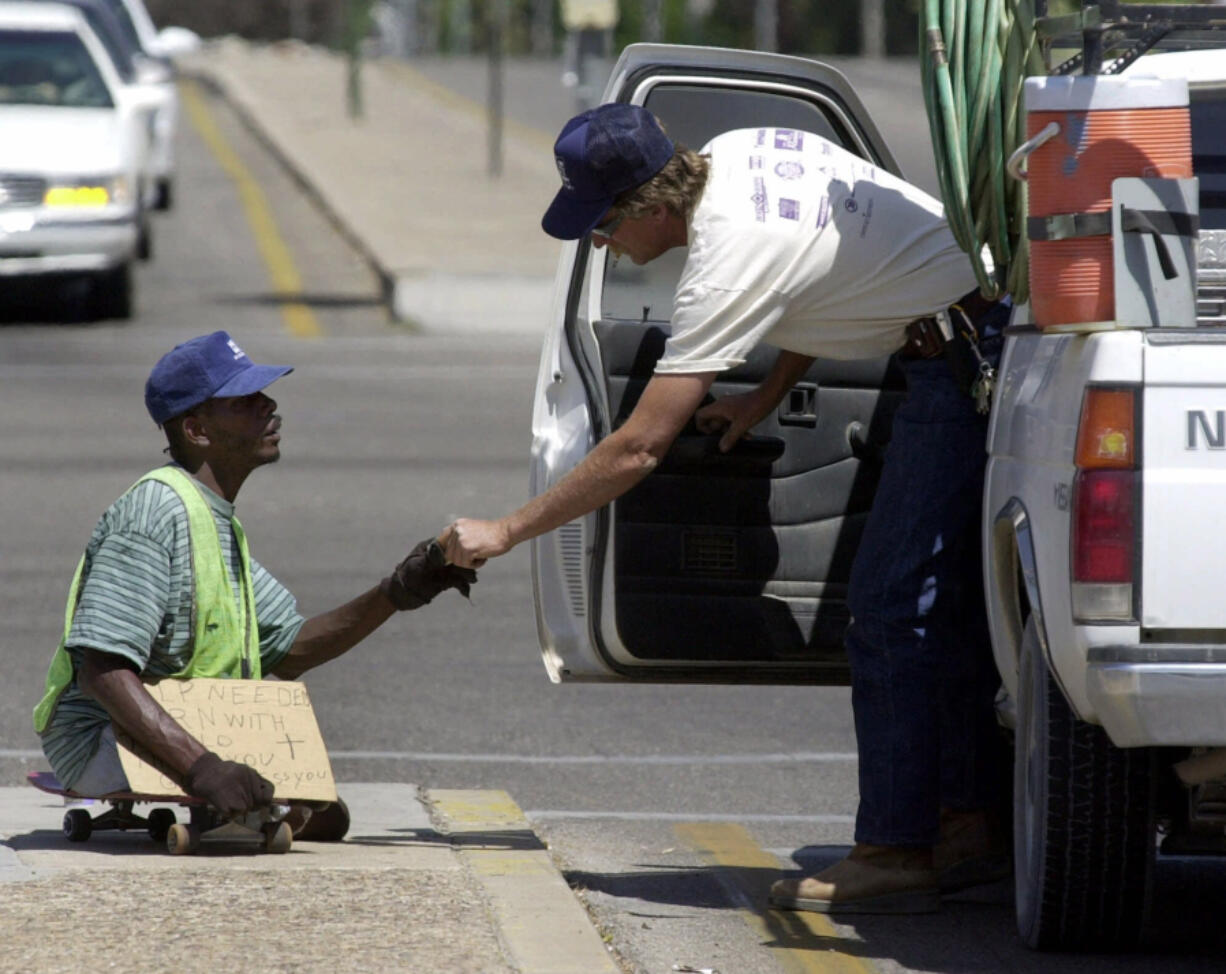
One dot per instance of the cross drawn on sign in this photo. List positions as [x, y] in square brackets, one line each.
[290, 742]
[268, 725]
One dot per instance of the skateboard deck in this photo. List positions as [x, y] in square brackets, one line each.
[263, 825]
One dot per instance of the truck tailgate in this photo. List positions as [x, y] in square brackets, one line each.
[1183, 540]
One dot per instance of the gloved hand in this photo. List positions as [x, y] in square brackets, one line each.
[423, 574]
[231, 788]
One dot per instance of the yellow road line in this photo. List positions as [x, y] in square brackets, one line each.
[287, 283]
[801, 943]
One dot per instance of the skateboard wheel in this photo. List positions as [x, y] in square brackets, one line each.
[161, 820]
[77, 825]
[278, 837]
[181, 840]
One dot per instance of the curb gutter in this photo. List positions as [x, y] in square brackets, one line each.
[544, 927]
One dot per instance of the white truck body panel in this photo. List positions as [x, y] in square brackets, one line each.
[1184, 484]
[1032, 440]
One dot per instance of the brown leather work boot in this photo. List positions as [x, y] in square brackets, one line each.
[872, 879]
[972, 851]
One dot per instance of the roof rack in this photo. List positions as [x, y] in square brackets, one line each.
[1112, 34]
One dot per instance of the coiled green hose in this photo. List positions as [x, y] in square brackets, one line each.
[975, 55]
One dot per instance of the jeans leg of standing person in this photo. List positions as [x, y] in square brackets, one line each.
[975, 766]
[909, 586]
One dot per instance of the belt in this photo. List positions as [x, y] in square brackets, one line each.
[924, 337]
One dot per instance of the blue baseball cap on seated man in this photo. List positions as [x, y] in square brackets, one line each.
[208, 367]
[601, 154]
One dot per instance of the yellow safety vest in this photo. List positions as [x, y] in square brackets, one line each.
[225, 643]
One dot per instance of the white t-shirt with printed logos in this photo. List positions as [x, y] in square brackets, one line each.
[801, 244]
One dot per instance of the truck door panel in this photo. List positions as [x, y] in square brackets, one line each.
[745, 556]
[729, 566]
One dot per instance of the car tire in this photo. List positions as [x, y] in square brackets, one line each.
[114, 293]
[164, 196]
[144, 239]
[1083, 823]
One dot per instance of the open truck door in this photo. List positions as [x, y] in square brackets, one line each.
[717, 567]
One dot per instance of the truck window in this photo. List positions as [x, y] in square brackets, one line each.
[1208, 112]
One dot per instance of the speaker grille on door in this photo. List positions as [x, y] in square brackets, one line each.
[570, 541]
[709, 552]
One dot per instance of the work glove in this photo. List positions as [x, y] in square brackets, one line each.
[423, 574]
[231, 788]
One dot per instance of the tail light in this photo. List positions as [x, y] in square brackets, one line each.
[1104, 527]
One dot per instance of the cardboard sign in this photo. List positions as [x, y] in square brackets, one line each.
[268, 725]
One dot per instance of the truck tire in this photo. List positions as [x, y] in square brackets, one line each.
[1083, 823]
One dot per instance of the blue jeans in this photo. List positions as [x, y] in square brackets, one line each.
[923, 677]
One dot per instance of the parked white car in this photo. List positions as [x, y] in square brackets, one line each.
[169, 42]
[74, 152]
[155, 77]
[152, 54]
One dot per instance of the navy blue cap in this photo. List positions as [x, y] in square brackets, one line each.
[601, 153]
[208, 367]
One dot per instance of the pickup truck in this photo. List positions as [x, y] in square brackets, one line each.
[733, 567]
[1107, 625]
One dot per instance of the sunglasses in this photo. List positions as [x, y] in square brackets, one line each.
[606, 230]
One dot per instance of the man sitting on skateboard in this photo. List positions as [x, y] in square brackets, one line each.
[166, 589]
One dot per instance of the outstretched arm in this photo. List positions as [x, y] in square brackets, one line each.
[413, 583]
[618, 462]
[330, 634]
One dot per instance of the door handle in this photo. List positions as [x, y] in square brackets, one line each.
[799, 406]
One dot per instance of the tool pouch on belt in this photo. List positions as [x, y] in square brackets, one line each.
[951, 335]
[974, 375]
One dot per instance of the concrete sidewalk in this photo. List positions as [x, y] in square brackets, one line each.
[408, 182]
[436, 882]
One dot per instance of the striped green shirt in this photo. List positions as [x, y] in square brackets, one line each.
[136, 601]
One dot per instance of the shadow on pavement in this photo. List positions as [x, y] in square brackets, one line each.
[696, 887]
[130, 843]
[310, 300]
[517, 840]
[46, 300]
[975, 930]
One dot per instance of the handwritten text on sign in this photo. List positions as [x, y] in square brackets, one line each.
[268, 725]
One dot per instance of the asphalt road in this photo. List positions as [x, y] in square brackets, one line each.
[670, 808]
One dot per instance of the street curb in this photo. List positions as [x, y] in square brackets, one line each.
[544, 927]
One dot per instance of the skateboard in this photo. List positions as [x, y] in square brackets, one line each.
[266, 826]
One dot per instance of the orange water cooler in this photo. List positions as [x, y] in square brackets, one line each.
[1083, 132]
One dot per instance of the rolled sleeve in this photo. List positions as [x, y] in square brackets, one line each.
[123, 601]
